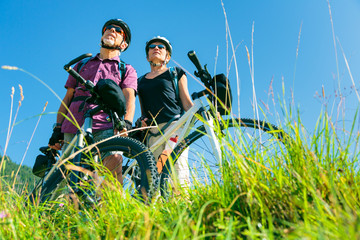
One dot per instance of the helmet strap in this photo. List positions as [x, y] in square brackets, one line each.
[159, 64]
[156, 64]
[102, 44]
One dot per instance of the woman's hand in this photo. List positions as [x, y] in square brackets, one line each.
[141, 122]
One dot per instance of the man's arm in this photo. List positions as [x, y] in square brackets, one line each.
[129, 94]
[54, 141]
[66, 101]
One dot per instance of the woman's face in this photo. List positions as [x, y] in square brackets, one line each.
[158, 53]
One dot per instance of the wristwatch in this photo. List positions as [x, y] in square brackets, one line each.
[57, 125]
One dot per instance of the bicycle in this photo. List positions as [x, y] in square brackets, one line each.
[82, 152]
[203, 132]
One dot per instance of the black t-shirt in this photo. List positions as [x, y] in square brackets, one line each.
[158, 96]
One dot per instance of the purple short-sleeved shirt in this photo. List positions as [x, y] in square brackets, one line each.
[94, 70]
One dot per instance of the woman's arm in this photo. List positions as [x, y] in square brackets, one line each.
[184, 93]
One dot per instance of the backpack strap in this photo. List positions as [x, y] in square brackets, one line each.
[82, 63]
[174, 78]
[122, 67]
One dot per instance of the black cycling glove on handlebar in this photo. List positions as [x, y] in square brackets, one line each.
[138, 123]
[128, 125]
[56, 137]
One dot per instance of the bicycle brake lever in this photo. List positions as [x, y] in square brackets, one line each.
[206, 73]
[205, 76]
[119, 123]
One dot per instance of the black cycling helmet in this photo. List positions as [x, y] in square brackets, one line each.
[159, 39]
[124, 27]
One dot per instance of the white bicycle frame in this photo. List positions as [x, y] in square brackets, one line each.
[187, 122]
[78, 140]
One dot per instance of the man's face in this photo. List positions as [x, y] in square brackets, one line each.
[113, 36]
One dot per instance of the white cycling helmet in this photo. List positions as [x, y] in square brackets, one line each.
[159, 39]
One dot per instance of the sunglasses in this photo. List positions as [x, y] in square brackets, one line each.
[117, 29]
[160, 46]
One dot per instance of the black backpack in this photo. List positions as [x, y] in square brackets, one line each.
[111, 94]
[221, 87]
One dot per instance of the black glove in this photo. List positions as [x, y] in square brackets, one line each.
[138, 123]
[56, 137]
[128, 125]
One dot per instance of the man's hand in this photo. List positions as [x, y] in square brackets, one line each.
[57, 139]
[122, 132]
[128, 126]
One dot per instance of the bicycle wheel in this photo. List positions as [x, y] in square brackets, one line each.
[258, 141]
[47, 186]
[140, 179]
[141, 182]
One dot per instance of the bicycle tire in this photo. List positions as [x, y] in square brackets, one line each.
[43, 190]
[142, 181]
[229, 127]
[144, 186]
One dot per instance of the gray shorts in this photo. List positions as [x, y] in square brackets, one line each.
[98, 136]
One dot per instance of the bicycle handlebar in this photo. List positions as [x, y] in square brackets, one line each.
[88, 84]
[201, 73]
[72, 62]
[194, 59]
[119, 123]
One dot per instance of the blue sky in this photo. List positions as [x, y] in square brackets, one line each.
[41, 36]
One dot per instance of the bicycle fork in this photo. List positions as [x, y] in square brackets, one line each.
[76, 176]
[209, 128]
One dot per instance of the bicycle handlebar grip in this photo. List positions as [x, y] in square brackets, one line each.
[76, 60]
[194, 59]
[72, 72]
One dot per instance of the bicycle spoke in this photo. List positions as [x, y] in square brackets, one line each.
[247, 142]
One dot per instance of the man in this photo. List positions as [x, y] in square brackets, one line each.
[116, 38]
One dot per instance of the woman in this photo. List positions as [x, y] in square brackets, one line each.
[162, 102]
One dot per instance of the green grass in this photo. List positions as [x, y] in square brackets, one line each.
[311, 192]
